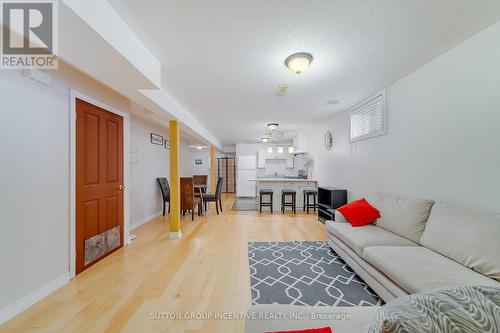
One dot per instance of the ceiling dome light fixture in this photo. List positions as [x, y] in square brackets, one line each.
[298, 62]
[199, 147]
[272, 126]
[264, 139]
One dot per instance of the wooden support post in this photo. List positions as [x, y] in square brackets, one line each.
[175, 181]
[213, 181]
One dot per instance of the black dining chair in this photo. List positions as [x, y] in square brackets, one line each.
[165, 192]
[214, 197]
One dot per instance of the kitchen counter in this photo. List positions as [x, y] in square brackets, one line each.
[283, 180]
[279, 184]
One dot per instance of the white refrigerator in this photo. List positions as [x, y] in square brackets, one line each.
[246, 175]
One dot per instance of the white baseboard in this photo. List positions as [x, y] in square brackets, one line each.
[33, 297]
[146, 219]
[175, 235]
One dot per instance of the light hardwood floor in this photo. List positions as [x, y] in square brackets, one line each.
[206, 271]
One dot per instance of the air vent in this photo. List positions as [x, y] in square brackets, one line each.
[281, 91]
[37, 75]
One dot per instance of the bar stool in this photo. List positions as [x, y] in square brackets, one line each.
[284, 203]
[263, 192]
[307, 204]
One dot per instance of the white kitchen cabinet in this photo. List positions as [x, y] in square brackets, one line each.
[289, 162]
[261, 158]
[306, 186]
[301, 143]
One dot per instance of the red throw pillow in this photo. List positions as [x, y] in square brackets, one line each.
[312, 330]
[359, 212]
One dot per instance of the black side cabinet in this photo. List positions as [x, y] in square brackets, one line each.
[329, 199]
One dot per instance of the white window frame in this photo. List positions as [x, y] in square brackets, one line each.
[384, 116]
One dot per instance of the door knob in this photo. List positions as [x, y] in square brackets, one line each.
[121, 187]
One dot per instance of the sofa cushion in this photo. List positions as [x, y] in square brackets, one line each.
[357, 238]
[416, 268]
[458, 309]
[339, 217]
[468, 236]
[381, 284]
[401, 215]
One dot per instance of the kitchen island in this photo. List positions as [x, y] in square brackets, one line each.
[278, 184]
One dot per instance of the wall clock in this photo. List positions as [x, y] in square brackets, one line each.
[328, 140]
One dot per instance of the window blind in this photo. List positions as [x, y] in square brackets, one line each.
[368, 118]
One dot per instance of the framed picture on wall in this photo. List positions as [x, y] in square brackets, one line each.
[166, 144]
[198, 161]
[156, 139]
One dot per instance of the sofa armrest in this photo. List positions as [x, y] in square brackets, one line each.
[339, 217]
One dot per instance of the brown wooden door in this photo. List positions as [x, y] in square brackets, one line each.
[99, 184]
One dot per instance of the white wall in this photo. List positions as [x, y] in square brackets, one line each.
[34, 190]
[248, 148]
[148, 162]
[204, 168]
[34, 178]
[229, 149]
[443, 133]
[200, 169]
[185, 159]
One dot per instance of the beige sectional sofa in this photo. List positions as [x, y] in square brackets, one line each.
[416, 245]
[419, 245]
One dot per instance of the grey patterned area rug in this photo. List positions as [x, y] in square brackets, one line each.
[304, 273]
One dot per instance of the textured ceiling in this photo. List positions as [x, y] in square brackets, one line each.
[223, 60]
